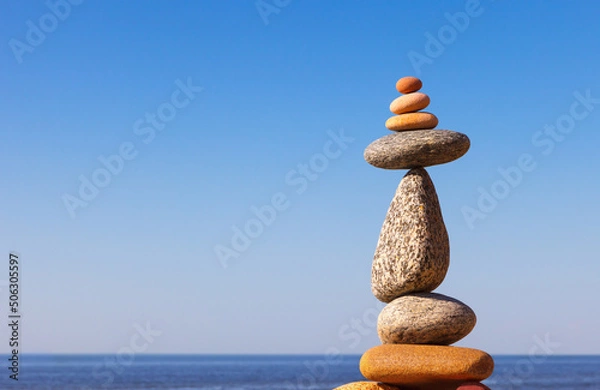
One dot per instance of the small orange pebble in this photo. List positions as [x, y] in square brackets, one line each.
[408, 84]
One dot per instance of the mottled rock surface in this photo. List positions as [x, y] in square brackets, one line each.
[412, 121]
[413, 252]
[408, 84]
[416, 148]
[425, 365]
[408, 103]
[425, 318]
[367, 386]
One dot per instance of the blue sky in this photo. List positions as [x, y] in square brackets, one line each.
[259, 95]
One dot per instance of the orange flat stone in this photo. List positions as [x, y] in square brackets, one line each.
[425, 366]
[408, 84]
[442, 386]
[367, 386]
[408, 103]
[429, 386]
[412, 121]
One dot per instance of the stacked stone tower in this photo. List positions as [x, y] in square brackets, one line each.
[411, 260]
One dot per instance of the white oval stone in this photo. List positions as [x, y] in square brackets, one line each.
[425, 318]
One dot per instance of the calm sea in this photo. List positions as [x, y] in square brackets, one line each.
[187, 372]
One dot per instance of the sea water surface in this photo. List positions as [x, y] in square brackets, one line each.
[220, 372]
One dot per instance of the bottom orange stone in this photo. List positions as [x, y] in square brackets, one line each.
[366, 386]
[383, 386]
[425, 366]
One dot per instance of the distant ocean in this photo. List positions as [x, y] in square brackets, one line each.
[188, 372]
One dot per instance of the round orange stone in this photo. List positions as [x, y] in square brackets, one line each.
[408, 103]
[408, 84]
[412, 121]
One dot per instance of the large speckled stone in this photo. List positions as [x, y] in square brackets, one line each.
[413, 252]
[416, 148]
[425, 366]
[425, 318]
[367, 386]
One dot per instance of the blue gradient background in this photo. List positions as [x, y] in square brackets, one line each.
[143, 250]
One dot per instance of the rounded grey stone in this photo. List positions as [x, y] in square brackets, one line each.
[416, 148]
[413, 251]
[425, 318]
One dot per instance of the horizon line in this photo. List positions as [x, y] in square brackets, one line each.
[255, 354]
